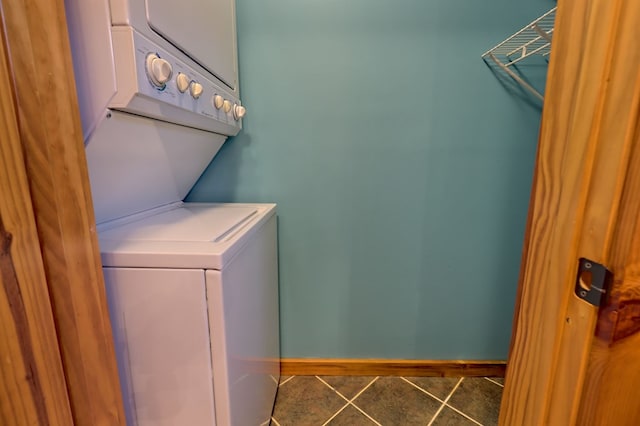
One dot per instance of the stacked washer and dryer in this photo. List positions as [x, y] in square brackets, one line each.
[192, 288]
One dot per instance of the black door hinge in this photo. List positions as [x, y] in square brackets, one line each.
[592, 282]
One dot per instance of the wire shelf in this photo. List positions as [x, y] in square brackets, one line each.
[533, 39]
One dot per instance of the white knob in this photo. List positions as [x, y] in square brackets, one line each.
[182, 81]
[226, 106]
[218, 101]
[158, 69]
[239, 111]
[195, 89]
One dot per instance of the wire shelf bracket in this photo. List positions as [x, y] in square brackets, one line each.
[533, 39]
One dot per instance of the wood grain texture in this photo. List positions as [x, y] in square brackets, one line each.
[610, 392]
[58, 180]
[390, 367]
[525, 252]
[32, 384]
[583, 159]
[610, 396]
[611, 139]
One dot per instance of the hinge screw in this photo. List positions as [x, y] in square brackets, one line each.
[583, 293]
[587, 265]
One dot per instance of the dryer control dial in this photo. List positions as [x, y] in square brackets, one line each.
[239, 111]
[218, 101]
[195, 89]
[182, 81]
[159, 70]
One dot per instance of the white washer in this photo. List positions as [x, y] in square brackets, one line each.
[193, 299]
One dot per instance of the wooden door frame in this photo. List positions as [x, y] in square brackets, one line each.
[587, 151]
[37, 51]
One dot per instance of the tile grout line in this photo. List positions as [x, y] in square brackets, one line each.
[463, 414]
[348, 402]
[360, 409]
[444, 402]
[437, 413]
[290, 377]
[364, 413]
[364, 388]
[493, 381]
[275, 421]
[423, 390]
[333, 389]
[455, 388]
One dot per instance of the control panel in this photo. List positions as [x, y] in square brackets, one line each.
[178, 93]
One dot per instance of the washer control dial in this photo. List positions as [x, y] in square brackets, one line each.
[239, 111]
[195, 89]
[159, 70]
[182, 81]
[218, 101]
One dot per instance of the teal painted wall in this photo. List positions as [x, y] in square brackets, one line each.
[401, 168]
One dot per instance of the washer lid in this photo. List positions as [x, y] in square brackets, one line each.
[185, 235]
[189, 223]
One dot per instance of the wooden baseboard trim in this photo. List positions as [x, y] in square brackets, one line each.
[390, 367]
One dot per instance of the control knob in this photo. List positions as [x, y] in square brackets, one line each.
[218, 101]
[195, 89]
[159, 70]
[239, 111]
[226, 106]
[182, 81]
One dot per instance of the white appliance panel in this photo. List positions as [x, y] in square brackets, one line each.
[110, 41]
[135, 13]
[188, 223]
[92, 50]
[136, 163]
[137, 94]
[161, 335]
[243, 315]
[158, 315]
[212, 45]
[119, 250]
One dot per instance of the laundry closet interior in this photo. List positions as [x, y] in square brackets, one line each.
[284, 182]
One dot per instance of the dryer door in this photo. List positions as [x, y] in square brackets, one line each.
[203, 29]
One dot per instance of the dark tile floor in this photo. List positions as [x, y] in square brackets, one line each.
[387, 401]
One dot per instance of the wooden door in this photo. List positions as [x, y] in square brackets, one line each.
[51, 272]
[571, 363]
[32, 384]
